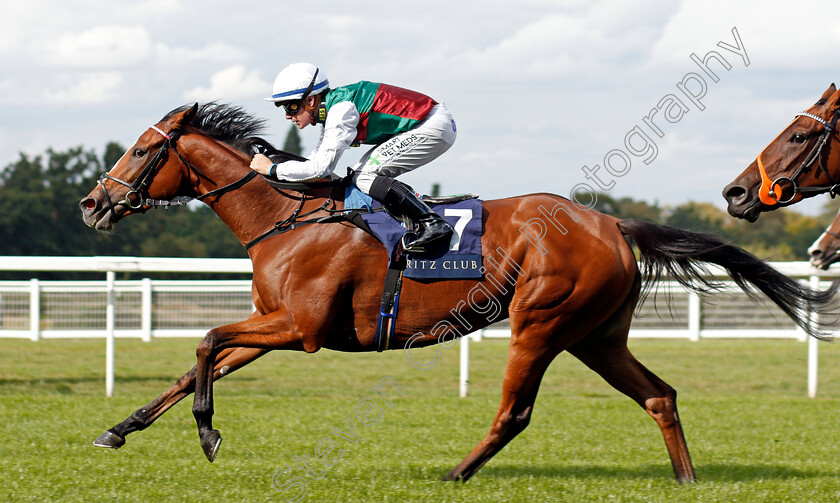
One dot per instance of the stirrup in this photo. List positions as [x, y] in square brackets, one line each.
[409, 241]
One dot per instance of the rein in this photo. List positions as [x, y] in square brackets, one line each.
[767, 192]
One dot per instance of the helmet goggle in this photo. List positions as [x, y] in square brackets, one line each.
[293, 107]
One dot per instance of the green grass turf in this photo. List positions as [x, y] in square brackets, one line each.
[753, 434]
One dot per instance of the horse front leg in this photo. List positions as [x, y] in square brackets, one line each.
[227, 361]
[276, 330]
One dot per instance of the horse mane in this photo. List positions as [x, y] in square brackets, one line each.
[227, 123]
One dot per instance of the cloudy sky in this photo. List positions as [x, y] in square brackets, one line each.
[539, 88]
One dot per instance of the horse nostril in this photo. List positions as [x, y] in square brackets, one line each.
[88, 204]
[815, 252]
[735, 193]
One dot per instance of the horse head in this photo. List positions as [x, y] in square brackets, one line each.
[826, 249]
[150, 169]
[797, 164]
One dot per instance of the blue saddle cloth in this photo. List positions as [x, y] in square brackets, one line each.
[460, 259]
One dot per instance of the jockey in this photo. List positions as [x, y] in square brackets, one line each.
[407, 130]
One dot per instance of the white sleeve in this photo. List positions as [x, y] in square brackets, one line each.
[338, 133]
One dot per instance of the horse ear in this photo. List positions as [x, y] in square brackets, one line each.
[182, 119]
[188, 116]
[178, 118]
[835, 98]
[828, 92]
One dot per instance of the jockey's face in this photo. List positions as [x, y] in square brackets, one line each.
[303, 117]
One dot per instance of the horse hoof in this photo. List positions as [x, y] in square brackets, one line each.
[109, 440]
[688, 479]
[451, 476]
[210, 444]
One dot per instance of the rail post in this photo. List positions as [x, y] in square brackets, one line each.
[146, 310]
[109, 333]
[465, 366]
[35, 309]
[693, 316]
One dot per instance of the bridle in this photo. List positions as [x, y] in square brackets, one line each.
[767, 191]
[137, 195]
[834, 234]
[139, 189]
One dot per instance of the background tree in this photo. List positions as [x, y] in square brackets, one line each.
[777, 235]
[698, 217]
[39, 203]
[628, 208]
[292, 144]
[39, 214]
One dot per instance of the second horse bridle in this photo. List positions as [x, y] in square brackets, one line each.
[814, 156]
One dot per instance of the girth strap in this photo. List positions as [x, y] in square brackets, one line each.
[390, 303]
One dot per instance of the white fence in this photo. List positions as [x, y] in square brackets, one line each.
[148, 309]
[110, 308]
[142, 308]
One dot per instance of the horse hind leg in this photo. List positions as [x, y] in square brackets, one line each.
[525, 368]
[612, 360]
[227, 361]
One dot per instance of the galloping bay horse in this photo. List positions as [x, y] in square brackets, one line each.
[566, 276]
[799, 163]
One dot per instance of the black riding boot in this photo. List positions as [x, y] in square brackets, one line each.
[400, 201]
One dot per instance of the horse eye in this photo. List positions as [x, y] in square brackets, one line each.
[139, 153]
[798, 138]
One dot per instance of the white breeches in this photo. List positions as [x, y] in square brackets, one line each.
[409, 150]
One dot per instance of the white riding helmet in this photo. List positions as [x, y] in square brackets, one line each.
[297, 81]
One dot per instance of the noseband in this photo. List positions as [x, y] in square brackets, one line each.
[138, 189]
[814, 156]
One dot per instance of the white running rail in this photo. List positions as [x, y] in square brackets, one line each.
[148, 309]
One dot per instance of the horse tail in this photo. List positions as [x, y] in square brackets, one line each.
[682, 255]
